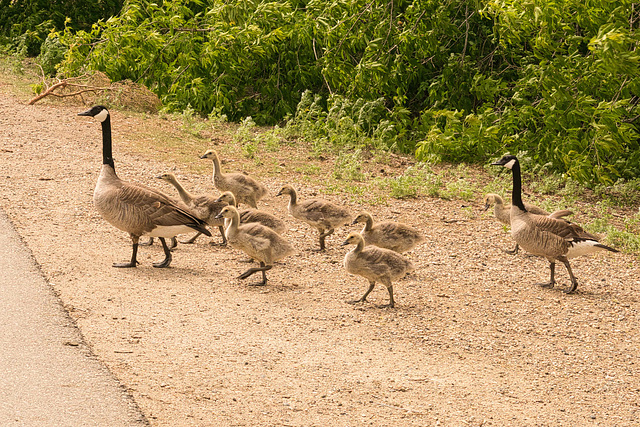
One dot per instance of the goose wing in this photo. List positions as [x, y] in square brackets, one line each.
[155, 207]
[562, 228]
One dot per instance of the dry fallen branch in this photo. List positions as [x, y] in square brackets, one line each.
[64, 83]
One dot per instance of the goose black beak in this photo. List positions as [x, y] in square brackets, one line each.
[279, 193]
[355, 221]
[85, 113]
[218, 216]
[345, 243]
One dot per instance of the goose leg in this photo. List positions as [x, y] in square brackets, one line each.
[366, 294]
[134, 254]
[191, 240]
[167, 255]
[552, 281]
[514, 251]
[574, 282]
[263, 268]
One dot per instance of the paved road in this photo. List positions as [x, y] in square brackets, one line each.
[48, 377]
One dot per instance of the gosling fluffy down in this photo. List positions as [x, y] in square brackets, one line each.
[246, 189]
[396, 236]
[375, 264]
[254, 215]
[320, 214]
[257, 241]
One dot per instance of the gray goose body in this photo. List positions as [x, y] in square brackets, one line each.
[254, 215]
[375, 264]
[246, 189]
[203, 206]
[502, 212]
[396, 236]
[552, 238]
[319, 214]
[257, 241]
[136, 208]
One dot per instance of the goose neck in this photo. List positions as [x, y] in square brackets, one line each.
[516, 193]
[107, 155]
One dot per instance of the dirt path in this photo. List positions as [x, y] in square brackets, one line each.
[471, 341]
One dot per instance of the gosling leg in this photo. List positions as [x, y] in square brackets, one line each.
[323, 235]
[174, 243]
[514, 251]
[134, 254]
[167, 255]
[392, 303]
[552, 281]
[366, 294]
[147, 243]
[263, 268]
[191, 240]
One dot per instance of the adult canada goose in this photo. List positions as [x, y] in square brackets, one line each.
[397, 236]
[135, 208]
[375, 264]
[254, 215]
[245, 188]
[259, 242]
[502, 212]
[552, 238]
[203, 206]
[320, 214]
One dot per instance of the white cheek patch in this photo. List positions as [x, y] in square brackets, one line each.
[510, 163]
[102, 115]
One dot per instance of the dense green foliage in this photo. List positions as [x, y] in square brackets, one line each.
[25, 24]
[455, 80]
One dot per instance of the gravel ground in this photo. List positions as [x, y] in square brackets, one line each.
[471, 341]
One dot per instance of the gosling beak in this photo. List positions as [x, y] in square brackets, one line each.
[218, 216]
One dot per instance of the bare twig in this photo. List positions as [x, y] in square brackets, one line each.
[49, 90]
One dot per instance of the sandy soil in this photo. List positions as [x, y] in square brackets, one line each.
[471, 341]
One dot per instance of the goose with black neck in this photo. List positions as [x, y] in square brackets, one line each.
[552, 238]
[135, 208]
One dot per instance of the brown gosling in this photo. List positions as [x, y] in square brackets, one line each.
[396, 236]
[254, 215]
[375, 264]
[552, 238]
[259, 242]
[320, 214]
[502, 213]
[135, 208]
[204, 206]
[246, 189]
